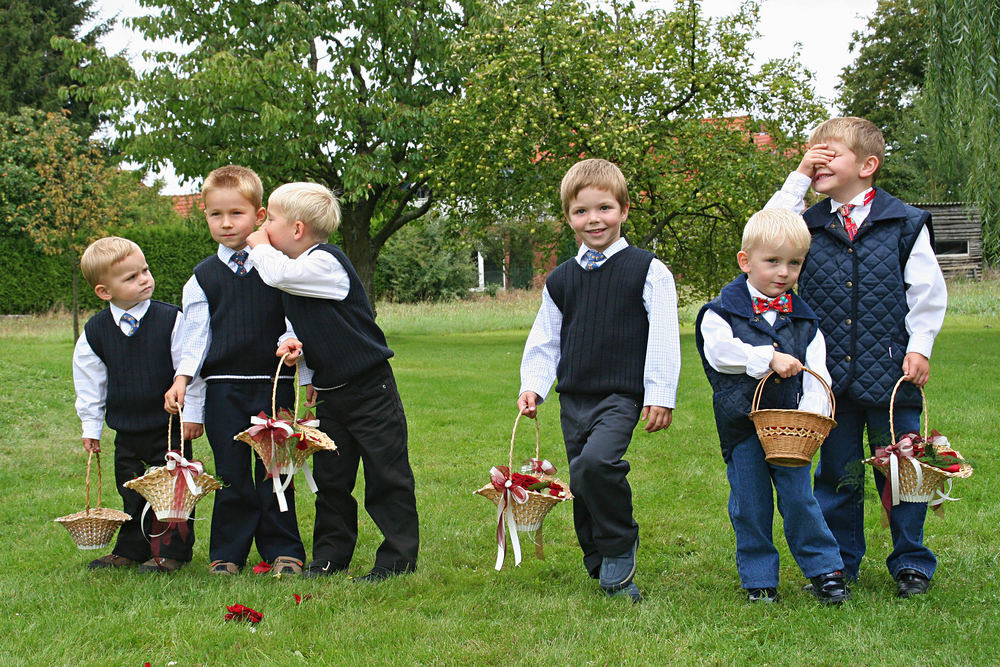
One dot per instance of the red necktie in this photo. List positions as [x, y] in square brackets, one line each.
[782, 304]
[845, 212]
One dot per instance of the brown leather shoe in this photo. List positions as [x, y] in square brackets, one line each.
[223, 567]
[285, 565]
[111, 560]
[161, 565]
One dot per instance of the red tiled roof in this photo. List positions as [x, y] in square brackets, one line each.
[184, 204]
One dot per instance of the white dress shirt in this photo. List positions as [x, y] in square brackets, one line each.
[90, 376]
[663, 351]
[926, 291]
[732, 356]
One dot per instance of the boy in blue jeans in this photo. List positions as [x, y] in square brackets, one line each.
[755, 325]
[873, 279]
[607, 330]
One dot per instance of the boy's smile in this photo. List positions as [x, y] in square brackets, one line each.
[231, 217]
[596, 217]
[772, 270]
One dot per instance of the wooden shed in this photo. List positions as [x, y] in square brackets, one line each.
[958, 239]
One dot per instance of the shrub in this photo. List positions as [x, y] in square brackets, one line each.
[419, 264]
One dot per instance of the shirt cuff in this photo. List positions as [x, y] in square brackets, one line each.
[93, 429]
[665, 397]
[194, 414]
[537, 386]
[189, 368]
[759, 360]
[797, 184]
[921, 343]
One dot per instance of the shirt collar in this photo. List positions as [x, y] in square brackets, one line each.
[226, 253]
[858, 202]
[137, 311]
[617, 246]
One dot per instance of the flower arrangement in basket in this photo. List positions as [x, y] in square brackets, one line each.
[918, 469]
[173, 489]
[523, 499]
[284, 442]
[93, 528]
[791, 437]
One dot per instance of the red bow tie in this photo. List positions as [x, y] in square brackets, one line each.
[782, 304]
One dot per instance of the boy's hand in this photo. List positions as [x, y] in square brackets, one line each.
[816, 156]
[527, 404]
[257, 237]
[656, 417]
[785, 365]
[173, 400]
[916, 368]
[92, 445]
[292, 347]
[312, 396]
[192, 431]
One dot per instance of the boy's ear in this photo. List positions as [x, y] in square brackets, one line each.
[743, 259]
[300, 230]
[868, 167]
[102, 292]
[261, 215]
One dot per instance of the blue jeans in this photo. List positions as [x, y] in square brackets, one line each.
[844, 508]
[751, 509]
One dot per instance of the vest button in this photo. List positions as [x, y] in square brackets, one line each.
[848, 321]
[850, 283]
[756, 319]
[774, 344]
[850, 251]
[847, 358]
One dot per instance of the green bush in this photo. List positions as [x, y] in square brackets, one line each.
[419, 264]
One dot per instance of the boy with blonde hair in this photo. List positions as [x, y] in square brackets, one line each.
[875, 283]
[358, 402]
[756, 325]
[122, 364]
[607, 330]
[234, 324]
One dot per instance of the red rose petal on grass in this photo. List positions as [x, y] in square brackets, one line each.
[299, 599]
[261, 568]
[238, 612]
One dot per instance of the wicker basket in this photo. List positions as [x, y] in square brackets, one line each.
[917, 481]
[93, 528]
[528, 516]
[790, 438]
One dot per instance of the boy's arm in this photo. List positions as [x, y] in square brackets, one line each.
[541, 354]
[926, 301]
[318, 274]
[662, 368]
[195, 337]
[90, 379]
[730, 355]
[193, 413]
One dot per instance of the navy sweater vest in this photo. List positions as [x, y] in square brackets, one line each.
[605, 325]
[140, 367]
[246, 319]
[340, 339]
[858, 292]
[732, 394]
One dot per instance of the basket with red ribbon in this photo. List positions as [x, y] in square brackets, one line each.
[918, 468]
[94, 527]
[523, 499]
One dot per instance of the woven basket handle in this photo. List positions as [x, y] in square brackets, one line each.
[892, 401]
[90, 458]
[274, 390]
[180, 425]
[759, 391]
[538, 442]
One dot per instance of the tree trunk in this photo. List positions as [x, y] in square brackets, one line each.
[75, 268]
[355, 228]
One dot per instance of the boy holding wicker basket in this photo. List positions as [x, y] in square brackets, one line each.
[757, 325]
[122, 364]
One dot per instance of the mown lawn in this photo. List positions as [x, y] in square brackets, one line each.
[458, 373]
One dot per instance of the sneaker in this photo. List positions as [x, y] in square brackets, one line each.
[830, 588]
[223, 567]
[322, 568]
[161, 565]
[110, 561]
[630, 591]
[617, 571]
[910, 582]
[285, 565]
[763, 595]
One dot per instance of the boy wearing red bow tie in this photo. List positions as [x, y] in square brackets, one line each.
[756, 325]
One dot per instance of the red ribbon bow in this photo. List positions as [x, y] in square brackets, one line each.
[184, 473]
[503, 481]
[782, 304]
[266, 430]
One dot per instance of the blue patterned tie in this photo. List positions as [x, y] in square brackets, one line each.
[591, 258]
[239, 259]
[133, 324]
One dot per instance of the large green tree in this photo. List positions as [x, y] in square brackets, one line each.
[702, 134]
[333, 92]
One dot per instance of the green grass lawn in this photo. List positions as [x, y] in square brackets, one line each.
[457, 366]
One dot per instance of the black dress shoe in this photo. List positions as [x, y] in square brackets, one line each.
[379, 573]
[910, 582]
[830, 588]
[322, 568]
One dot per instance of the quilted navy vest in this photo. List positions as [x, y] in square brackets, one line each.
[858, 292]
[732, 394]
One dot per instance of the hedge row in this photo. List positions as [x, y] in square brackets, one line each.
[34, 283]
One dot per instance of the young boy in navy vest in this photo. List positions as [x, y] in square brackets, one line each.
[122, 364]
[756, 325]
[873, 279]
[607, 330]
[234, 323]
[358, 403]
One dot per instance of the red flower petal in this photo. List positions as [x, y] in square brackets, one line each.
[261, 568]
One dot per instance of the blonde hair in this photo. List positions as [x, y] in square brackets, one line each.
[772, 227]
[596, 173]
[311, 203]
[104, 253]
[233, 177]
[860, 135]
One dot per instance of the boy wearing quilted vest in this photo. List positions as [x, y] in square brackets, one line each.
[607, 330]
[233, 325]
[122, 364]
[757, 325]
[358, 402]
[872, 277]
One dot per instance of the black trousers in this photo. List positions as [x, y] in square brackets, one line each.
[597, 431]
[246, 508]
[134, 451]
[366, 421]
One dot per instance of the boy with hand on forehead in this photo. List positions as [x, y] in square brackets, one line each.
[122, 364]
[607, 331]
[873, 279]
[756, 325]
